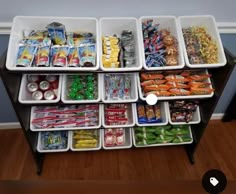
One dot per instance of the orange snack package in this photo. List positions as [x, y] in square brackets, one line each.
[156, 87]
[160, 93]
[151, 76]
[199, 77]
[180, 92]
[195, 84]
[152, 82]
[177, 85]
[201, 91]
[176, 78]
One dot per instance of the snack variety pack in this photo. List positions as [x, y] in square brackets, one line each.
[117, 86]
[54, 47]
[75, 116]
[42, 87]
[82, 87]
[160, 46]
[116, 114]
[200, 46]
[182, 111]
[176, 83]
[85, 139]
[148, 114]
[114, 137]
[119, 52]
[162, 135]
[54, 140]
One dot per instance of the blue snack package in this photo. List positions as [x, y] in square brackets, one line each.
[25, 55]
[57, 33]
[142, 118]
[54, 140]
[87, 55]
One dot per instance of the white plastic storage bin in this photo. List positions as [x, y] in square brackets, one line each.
[161, 144]
[128, 141]
[209, 23]
[131, 119]
[195, 120]
[115, 25]
[208, 80]
[164, 117]
[41, 150]
[165, 22]
[21, 23]
[33, 114]
[65, 90]
[25, 97]
[99, 145]
[133, 92]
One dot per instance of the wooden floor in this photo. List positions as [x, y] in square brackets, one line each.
[217, 150]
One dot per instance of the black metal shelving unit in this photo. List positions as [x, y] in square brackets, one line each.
[12, 80]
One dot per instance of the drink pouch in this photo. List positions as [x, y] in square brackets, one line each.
[25, 55]
[87, 55]
[59, 56]
[57, 34]
[73, 57]
[42, 56]
[36, 38]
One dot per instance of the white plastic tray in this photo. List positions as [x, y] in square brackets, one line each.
[39, 146]
[176, 97]
[133, 92]
[21, 23]
[195, 120]
[131, 118]
[115, 25]
[65, 85]
[166, 22]
[162, 144]
[32, 128]
[164, 117]
[209, 23]
[25, 97]
[99, 146]
[128, 141]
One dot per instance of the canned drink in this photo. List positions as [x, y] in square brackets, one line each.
[49, 95]
[32, 87]
[44, 85]
[37, 95]
[33, 78]
[51, 78]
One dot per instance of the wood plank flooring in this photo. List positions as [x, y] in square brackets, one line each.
[217, 150]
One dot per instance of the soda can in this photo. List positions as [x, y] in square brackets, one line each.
[33, 78]
[49, 95]
[37, 95]
[51, 78]
[44, 85]
[32, 87]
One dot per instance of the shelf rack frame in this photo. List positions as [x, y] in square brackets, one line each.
[12, 80]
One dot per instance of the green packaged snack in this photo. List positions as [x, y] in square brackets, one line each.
[146, 136]
[164, 139]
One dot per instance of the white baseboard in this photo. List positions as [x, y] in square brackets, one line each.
[10, 125]
[217, 116]
[16, 125]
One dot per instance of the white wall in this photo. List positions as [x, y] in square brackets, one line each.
[223, 10]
